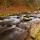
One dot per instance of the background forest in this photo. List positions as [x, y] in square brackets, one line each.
[29, 3]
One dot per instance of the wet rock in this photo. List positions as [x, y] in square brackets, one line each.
[13, 34]
[35, 27]
[24, 25]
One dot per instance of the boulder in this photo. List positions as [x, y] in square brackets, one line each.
[13, 33]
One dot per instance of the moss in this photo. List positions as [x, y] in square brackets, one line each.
[36, 33]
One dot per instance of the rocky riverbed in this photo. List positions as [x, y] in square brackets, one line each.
[20, 27]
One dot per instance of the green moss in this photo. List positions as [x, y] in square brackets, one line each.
[36, 33]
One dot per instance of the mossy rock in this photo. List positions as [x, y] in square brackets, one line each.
[35, 30]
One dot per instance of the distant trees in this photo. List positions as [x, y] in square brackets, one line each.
[24, 2]
[7, 3]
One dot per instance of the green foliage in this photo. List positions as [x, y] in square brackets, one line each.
[6, 3]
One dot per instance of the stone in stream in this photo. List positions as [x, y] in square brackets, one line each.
[24, 25]
[35, 29]
[14, 33]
